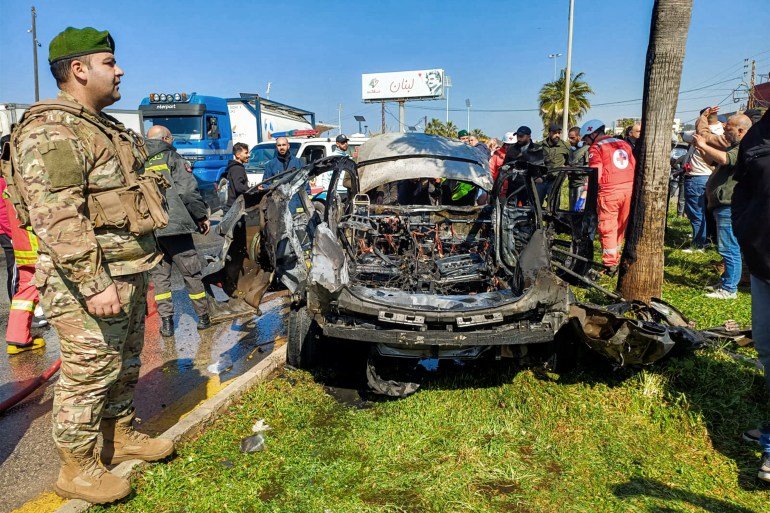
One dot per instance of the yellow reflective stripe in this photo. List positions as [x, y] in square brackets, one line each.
[25, 257]
[200, 295]
[21, 304]
[33, 240]
[157, 167]
[160, 297]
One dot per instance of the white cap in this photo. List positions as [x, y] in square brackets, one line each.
[509, 138]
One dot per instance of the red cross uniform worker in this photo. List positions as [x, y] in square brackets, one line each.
[18, 336]
[615, 162]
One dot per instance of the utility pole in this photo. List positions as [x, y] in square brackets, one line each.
[35, 44]
[401, 117]
[447, 85]
[568, 76]
[382, 130]
[267, 93]
[339, 119]
[468, 108]
[554, 56]
[752, 82]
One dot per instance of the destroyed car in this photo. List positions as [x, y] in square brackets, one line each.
[410, 265]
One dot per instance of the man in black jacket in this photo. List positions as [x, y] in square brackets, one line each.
[751, 224]
[238, 182]
[187, 213]
[237, 185]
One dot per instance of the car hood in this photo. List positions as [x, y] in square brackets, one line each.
[410, 156]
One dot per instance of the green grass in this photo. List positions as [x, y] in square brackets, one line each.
[494, 439]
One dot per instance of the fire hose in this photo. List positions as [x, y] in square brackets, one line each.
[27, 390]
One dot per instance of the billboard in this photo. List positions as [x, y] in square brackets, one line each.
[421, 84]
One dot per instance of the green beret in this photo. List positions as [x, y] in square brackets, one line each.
[462, 133]
[74, 42]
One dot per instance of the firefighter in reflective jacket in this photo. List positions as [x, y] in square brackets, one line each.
[614, 160]
[18, 336]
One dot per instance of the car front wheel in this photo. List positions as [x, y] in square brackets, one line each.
[302, 344]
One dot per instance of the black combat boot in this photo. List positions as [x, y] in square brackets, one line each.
[204, 322]
[167, 326]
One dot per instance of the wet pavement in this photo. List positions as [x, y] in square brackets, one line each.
[177, 374]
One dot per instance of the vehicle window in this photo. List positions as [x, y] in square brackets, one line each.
[182, 127]
[312, 153]
[212, 127]
[262, 153]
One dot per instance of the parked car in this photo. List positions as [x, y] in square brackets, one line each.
[308, 150]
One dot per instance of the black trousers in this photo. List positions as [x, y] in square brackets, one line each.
[178, 250]
[10, 265]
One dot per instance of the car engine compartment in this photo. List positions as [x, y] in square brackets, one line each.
[422, 249]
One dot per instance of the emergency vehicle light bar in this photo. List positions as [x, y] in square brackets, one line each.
[295, 133]
[168, 98]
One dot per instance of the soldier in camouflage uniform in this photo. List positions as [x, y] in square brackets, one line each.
[77, 174]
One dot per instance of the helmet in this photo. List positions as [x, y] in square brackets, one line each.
[591, 126]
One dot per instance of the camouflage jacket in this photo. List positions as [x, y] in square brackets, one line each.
[61, 160]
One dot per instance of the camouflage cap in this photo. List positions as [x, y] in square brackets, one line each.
[74, 42]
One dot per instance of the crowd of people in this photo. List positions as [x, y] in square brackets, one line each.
[726, 184]
[83, 224]
[588, 145]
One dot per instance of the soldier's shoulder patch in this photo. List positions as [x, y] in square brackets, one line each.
[187, 165]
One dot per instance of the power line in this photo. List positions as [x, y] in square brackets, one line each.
[604, 104]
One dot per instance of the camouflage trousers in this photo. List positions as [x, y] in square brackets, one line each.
[100, 357]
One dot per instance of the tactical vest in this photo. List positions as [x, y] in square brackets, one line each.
[139, 206]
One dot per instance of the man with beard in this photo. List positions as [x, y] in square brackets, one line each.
[719, 195]
[77, 179]
[282, 162]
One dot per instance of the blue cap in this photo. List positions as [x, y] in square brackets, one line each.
[524, 130]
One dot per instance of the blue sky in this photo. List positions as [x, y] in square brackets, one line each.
[314, 52]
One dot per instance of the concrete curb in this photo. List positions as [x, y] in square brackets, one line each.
[200, 417]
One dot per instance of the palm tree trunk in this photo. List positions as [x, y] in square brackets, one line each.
[641, 266]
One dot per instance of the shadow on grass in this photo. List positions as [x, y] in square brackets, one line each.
[728, 395]
[639, 486]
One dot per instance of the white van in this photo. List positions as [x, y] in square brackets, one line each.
[307, 150]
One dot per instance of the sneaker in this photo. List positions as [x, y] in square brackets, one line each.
[721, 293]
[764, 467]
[711, 288]
[693, 249]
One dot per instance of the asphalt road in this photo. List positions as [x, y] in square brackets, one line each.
[177, 374]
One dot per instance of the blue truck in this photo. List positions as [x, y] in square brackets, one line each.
[206, 127]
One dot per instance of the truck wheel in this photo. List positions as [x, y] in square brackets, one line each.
[302, 344]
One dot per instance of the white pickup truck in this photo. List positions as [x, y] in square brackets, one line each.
[307, 150]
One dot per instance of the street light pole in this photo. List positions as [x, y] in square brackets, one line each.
[35, 44]
[339, 118]
[447, 85]
[568, 76]
[468, 107]
[554, 56]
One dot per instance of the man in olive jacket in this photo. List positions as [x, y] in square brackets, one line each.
[187, 213]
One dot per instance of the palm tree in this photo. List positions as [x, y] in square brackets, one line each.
[641, 266]
[438, 127]
[551, 100]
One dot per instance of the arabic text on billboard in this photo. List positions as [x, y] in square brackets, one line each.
[426, 83]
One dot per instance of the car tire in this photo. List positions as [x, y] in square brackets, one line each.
[302, 343]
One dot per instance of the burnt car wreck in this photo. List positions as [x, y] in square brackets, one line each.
[407, 263]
